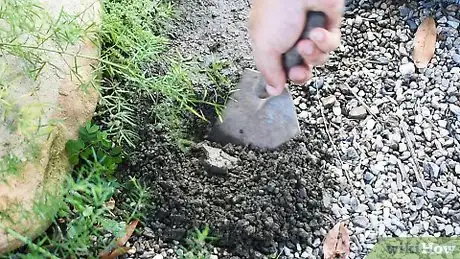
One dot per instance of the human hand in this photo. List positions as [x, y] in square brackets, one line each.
[276, 25]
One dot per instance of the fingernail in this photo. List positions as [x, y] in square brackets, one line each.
[317, 36]
[308, 49]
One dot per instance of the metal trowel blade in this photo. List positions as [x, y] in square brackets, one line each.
[250, 120]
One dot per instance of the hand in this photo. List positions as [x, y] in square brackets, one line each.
[276, 25]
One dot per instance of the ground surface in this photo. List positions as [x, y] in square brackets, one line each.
[401, 180]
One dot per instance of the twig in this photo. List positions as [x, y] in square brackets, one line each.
[361, 100]
[329, 135]
[418, 172]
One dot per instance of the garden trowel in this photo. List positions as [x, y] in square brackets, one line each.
[253, 117]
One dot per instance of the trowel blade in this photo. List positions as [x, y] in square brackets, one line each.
[250, 120]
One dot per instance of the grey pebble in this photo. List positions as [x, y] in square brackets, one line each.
[449, 230]
[454, 109]
[361, 221]
[359, 112]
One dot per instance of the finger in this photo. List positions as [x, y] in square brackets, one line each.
[311, 54]
[300, 74]
[270, 65]
[325, 40]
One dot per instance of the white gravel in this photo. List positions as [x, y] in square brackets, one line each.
[396, 128]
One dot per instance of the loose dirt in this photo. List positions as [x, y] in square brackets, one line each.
[270, 199]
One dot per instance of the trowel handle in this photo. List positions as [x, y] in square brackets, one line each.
[292, 57]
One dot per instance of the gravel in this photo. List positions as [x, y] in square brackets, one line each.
[393, 168]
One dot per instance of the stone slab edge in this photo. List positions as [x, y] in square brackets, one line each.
[75, 107]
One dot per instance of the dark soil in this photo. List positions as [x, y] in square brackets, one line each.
[271, 199]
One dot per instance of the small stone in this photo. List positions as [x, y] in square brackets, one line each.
[370, 36]
[336, 110]
[308, 253]
[217, 161]
[368, 177]
[377, 168]
[454, 109]
[415, 230]
[442, 123]
[442, 19]
[288, 252]
[370, 124]
[428, 134]
[419, 202]
[328, 101]
[151, 254]
[449, 230]
[382, 229]
[374, 109]
[402, 147]
[361, 221]
[443, 132]
[359, 112]
[316, 242]
[386, 212]
[345, 199]
[456, 58]
[304, 114]
[457, 230]
[425, 111]
[362, 208]
[303, 106]
[453, 24]
[407, 69]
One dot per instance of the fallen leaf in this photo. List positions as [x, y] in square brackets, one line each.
[115, 253]
[337, 242]
[424, 43]
[129, 231]
[117, 248]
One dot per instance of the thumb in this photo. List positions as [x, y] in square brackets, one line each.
[270, 66]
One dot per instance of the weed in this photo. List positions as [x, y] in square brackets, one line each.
[85, 217]
[137, 200]
[134, 34]
[221, 84]
[94, 147]
[196, 247]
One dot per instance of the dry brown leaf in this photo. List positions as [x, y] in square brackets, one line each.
[116, 249]
[337, 242]
[129, 231]
[424, 43]
[115, 253]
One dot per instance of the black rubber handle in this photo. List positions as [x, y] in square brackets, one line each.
[292, 58]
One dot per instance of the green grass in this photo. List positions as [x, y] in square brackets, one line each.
[197, 245]
[86, 223]
[221, 85]
[134, 34]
